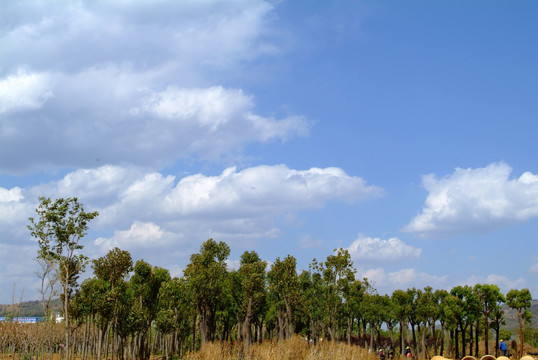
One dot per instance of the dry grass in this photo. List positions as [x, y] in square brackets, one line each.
[293, 349]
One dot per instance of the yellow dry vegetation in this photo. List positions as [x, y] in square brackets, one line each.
[295, 348]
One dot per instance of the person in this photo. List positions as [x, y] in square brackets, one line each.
[407, 351]
[381, 354]
[503, 347]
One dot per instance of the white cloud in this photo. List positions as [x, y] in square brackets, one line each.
[108, 115]
[376, 250]
[13, 210]
[402, 279]
[130, 83]
[193, 35]
[235, 202]
[505, 284]
[235, 205]
[139, 235]
[10, 195]
[534, 268]
[475, 200]
[233, 264]
[24, 91]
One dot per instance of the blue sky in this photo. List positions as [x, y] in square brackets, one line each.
[401, 131]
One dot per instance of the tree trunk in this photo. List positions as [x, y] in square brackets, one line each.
[246, 326]
[457, 344]
[289, 314]
[66, 317]
[349, 329]
[423, 342]
[414, 339]
[521, 337]
[401, 340]
[497, 341]
[476, 342]
[193, 343]
[463, 343]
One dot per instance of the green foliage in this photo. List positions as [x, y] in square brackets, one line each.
[505, 334]
[531, 336]
[59, 227]
[490, 300]
[520, 300]
[206, 275]
[114, 266]
[324, 302]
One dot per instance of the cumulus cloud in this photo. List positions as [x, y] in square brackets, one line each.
[106, 115]
[24, 91]
[386, 282]
[140, 235]
[14, 209]
[475, 200]
[505, 284]
[377, 250]
[235, 201]
[189, 34]
[130, 83]
[163, 219]
[147, 206]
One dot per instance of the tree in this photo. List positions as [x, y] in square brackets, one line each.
[284, 290]
[112, 269]
[498, 320]
[49, 286]
[338, 274]
[401, 307]
[489, 297]
[428, 313]
[466, 311]
[252, 277]
[439, 297]
[520, 300]
[175, 314]
[206, 274]
[146, 283]
[59, 227]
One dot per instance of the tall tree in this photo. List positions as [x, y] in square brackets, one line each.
[338, 274]
[439, 298]
[412, 316]
[284, 290]
[467, 311]
[59, 227]
[488, 296]
[252, 277]
[427, 313]
[497, 317]
[520, 300]
[401, 307]
[311, 303]
[112, 269]
[146, 283]
[176, 311]
[353, 296]
[206, 274]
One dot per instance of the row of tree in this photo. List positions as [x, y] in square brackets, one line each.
[132, 307]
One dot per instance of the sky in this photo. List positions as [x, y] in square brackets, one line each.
[404, 132]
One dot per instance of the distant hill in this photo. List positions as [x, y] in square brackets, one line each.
[28, 308]
[511, 316]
